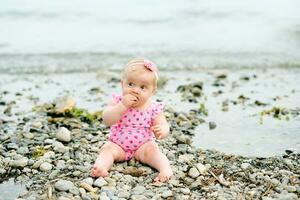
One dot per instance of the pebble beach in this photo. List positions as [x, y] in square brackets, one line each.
[51, 131]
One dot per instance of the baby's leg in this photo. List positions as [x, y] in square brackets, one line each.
[150, 154]
[109, 153]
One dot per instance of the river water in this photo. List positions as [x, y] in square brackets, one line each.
[72, 35]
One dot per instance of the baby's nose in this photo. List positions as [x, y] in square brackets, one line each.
[136, 90]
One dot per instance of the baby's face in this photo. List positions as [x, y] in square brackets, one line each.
[141, 84]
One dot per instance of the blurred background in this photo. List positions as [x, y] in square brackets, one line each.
[78, 36]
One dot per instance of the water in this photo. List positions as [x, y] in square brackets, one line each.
[10, 190]
[55, 36]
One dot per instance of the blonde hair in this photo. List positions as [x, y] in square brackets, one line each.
[139, 62]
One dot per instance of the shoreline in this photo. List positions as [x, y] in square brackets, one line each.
[30, 148]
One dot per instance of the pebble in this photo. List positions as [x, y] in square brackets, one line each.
[201, 168]
[193, 172]
[185, 190]
[67, 161]
[167, 193]
[63, 185]
[245, 166]
[212, 125]
[21, 162]
[63, 134]
[59, 147]
[138, 190]
[100, 182]
[45, 166]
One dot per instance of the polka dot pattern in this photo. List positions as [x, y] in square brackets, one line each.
[133, 129]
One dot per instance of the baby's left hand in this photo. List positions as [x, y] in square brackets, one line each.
[158, 131]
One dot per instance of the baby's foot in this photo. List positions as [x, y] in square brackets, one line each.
[98, 171]
[164, 175]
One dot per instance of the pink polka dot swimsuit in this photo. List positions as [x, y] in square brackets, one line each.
[133, 129]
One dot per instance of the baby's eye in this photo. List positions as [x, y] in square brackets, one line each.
[143, 87]
[130, 84]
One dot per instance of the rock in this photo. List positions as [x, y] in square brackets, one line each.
[59, 147]
[291, 188]
[61, 164]
[100, 182]
[87, 187]
[22, 162]
[185, 190]
[201, 168]
[193, 172]
[63, 135]
[245, 166]
[45, 166]
[124, 194]
[103, 196]
[28, 135]
[88, 180]
[138, 190]
[63, 185]
[212, 125]
[167, 193]
[64, 104]
[186, 158]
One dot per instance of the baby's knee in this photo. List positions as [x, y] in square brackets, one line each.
[151, 150]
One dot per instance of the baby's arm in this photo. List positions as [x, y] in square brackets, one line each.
[160, 127]
[112, 113]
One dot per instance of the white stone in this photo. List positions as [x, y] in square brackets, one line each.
[201, 168]
[45, 166]
[245, 166]
[63, 135]
[193, 172]
[22, 162]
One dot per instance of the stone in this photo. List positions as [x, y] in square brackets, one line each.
[100, 182]
[193, 172]
[45, 166]
[63, 185]
[22, 162]
[63, 135]
[245, 165]
[201, 168]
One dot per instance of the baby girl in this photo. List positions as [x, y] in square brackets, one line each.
[135, 121]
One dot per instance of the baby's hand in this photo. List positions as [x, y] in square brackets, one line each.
[158, 131]
[129, 100]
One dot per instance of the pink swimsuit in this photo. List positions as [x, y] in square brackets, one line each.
[133, 129]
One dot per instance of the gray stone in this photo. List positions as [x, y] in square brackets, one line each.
[100, 182]
[167, 193]
[138, 190]
[63, 185]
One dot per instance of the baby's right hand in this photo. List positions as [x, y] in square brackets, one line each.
[129, 100]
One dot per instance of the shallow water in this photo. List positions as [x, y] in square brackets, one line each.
[240, 130]
[69, 35]
[10, 190]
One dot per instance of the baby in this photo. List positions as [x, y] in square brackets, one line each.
[135, 121]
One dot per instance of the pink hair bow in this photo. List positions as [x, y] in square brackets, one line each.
[150, 65]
